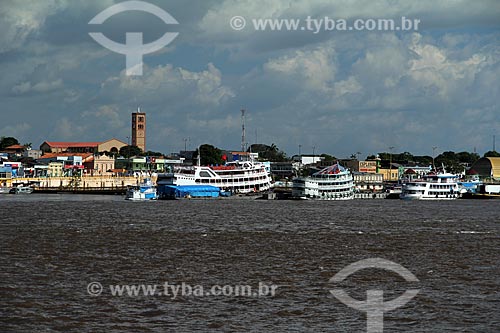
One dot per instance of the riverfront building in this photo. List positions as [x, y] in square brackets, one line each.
[113, 146]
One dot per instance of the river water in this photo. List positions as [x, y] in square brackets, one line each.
[53, 246]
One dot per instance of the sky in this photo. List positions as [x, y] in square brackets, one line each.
[341, 92]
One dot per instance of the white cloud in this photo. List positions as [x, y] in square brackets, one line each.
[65, 129]
[18, 20]
[349, 86]
[39, 87]
[167, 83]
[16, 130]
[315, 67]
[107, 115]
[433, 69]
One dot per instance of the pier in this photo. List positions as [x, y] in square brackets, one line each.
[80, 185]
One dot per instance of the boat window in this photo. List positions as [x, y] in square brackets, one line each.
[205, 174]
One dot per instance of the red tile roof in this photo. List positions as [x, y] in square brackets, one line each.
[15, 147]
[52, 155]
[72, 144]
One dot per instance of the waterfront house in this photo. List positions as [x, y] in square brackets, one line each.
[368, 181]
[55, 169]
[72, 163]
[32, 153]
[99, 164]
[14, 150]
[5, 175]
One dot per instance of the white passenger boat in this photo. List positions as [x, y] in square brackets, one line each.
[144, 191]
[4, 190]
[331, 183]
[21, 190]
[443, 186]
[236, 177]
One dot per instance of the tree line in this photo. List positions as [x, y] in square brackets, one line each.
[453, 162]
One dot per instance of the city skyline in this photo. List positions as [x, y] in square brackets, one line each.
[338, 91]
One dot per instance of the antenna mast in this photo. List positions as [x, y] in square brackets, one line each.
[243, 143]
[198, 159]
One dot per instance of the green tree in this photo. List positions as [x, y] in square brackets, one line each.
[7, 141]
[466, 157]
[491, 153]
[129, 151]
[328, 158]
[271, 153]
[386, 156]
[450, 161]
[153, 153]
[423, 160]
[209, 155]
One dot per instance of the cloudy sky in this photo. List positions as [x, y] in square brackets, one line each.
[339, 91]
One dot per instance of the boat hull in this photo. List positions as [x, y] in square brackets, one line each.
[326, 199]
[414, 197]
[137, 196]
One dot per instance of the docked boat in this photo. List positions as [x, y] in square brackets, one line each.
[4, 190]
[469, 186]
[144, 191]
[238, 177]
[484, 191]
[394, 192]
[443, 186]
[21, 190]
[331, 183]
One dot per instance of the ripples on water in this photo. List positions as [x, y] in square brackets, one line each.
[53, 246]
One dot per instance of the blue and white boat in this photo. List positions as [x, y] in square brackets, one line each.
[144, 191]
[470, 185]
[237, 177]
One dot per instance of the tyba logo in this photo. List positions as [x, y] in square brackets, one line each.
[374, 306]
[134, 48]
